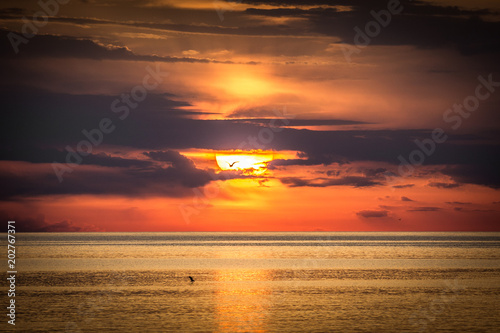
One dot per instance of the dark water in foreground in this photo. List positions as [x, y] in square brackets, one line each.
[258, 282]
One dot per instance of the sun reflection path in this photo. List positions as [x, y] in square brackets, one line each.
[242, 303]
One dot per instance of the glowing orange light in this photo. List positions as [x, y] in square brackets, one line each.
[249, 162]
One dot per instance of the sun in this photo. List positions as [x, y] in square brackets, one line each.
[250, 162]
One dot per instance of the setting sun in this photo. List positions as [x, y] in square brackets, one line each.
[249, 162]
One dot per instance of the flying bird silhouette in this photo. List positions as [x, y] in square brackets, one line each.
[231, 164]
[192, 280]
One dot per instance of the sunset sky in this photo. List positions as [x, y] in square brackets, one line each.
[163, 115]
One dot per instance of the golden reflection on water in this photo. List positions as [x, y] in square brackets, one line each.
[242, 303]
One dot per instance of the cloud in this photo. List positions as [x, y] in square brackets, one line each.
[12, 12]
[424, 209]
[177, 160]
[175, 180]
[334, 173]
[464, 210]
[403, 198]
[190, 52]
[322, 182]
[372, 213]
[387, 207]
[245, 24]
[444, 185]
[71, 47]
[403, 186]
[160, 123]
[279, 122]
[40, 224]
[34, 154]
[458, 203]
[66, 226]
[483, 174]
[374, 172]
[327, 147]
[421, 24]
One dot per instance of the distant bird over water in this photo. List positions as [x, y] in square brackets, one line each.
[231, 164]
[192, 280]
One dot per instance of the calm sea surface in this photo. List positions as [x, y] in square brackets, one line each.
[256, 282]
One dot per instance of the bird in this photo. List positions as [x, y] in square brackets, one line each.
[192, 280]
[231, 164]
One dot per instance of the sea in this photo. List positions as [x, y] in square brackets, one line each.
[255, 282]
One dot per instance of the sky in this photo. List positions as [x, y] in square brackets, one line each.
[322, 115]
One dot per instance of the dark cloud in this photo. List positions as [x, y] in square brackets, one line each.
[482, 174]
[279, 122]
[458, 203]
[374, 172]
[444, 185]
[65, 226]
[104, 159]
[420, 23]
[39, 224]
[177, 160]
[334, 173]
[211, 23]
[253, 112]
[70, 47]
[56, 120]
[12, 12]
[463, 210]
[47, 155]
[424, 209]
[372, 213]
[308, 161]
[403, 186]
[324, 182]
[403, 198]
[327, 147]
[175, 180]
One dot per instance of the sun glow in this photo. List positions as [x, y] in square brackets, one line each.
[244, 82]
[249, 162]
[248, 86]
